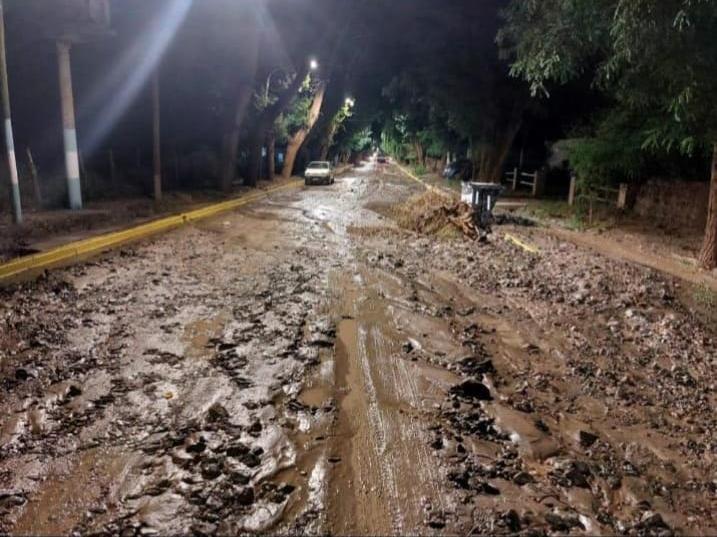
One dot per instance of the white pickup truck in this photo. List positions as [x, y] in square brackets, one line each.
[319, 173]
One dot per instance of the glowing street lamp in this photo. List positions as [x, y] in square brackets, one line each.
[350, 102]
[313, 64]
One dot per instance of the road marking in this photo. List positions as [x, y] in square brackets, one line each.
[80, 250]
[524, 245]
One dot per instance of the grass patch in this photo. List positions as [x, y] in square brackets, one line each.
[419, 170]
[552, 209]
[705, 297]
[701, 301]
[573, 217]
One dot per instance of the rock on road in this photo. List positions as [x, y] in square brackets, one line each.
[304, 365]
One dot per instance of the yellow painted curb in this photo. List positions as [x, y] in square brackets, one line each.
[76, 251]
[524, 245]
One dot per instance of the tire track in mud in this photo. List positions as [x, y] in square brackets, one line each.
[392, 484]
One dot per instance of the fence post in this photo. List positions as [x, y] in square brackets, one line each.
[515, 179]
[622, 196]
[573, 188]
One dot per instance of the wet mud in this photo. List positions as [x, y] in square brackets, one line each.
[305, 365]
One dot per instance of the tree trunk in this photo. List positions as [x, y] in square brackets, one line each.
[271, 155]
[292, 149]
[708, 256]
[494, 154]
[266, 122]
[298, 139]
[420, 153]
[327, 138]
[254, 147]
[35, 178]
[231, 139]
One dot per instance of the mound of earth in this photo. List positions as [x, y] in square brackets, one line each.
[435, 213]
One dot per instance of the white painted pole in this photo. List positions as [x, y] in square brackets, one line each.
[9, 139]
[72, 159]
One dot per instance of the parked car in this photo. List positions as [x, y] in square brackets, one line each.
[319, 173]
[382, 159]
[459, 169]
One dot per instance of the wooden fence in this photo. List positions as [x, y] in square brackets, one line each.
[535, 181]
[606, 195]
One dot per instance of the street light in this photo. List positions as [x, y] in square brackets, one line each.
[350, 102]
[313, 64]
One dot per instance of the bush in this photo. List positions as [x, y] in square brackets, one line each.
[419, 169]
[615, 151]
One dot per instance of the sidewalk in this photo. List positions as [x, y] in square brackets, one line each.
[70, 250]
[43, 230]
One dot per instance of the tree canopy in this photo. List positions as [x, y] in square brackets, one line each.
[655, 58]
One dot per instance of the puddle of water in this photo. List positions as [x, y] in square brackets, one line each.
[198, 334]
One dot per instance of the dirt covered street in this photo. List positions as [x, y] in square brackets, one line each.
[311, 364]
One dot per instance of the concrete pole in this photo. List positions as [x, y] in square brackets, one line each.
[157, 137]
[622, 196]
[72, 158]
[9, 139]
[573, 189]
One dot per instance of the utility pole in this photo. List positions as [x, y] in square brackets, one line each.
[157, 137]
[72, 158]
[9, 139]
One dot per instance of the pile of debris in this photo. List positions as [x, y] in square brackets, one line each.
[436, 213]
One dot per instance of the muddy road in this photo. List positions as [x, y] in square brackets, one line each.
[305, 365]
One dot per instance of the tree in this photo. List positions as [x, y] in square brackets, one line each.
[353, 141]
[308, 114]
[456, 92]
[655, 57]
[266, 120]
[336, 111]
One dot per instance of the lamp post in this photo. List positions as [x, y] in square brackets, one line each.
[9, 140]
[72, 162]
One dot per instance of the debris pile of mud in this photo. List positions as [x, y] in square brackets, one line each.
[602, 389]
[434, 213]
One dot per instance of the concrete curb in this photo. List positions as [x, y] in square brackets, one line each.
[29, 267]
